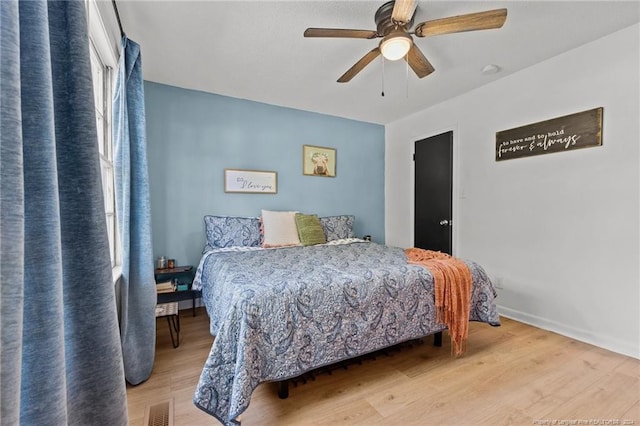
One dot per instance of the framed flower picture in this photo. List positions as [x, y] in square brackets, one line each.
[318, 161]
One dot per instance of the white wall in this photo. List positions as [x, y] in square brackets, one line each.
[558, 232]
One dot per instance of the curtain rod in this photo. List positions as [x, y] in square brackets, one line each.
[115, 8]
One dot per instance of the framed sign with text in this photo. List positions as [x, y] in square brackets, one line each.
[574, 131]
[250, 181]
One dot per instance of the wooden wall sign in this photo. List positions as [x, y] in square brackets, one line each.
[574, 131]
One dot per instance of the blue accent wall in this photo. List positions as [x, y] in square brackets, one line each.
[193, 136]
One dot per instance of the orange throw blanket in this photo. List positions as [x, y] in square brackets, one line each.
[452, 285]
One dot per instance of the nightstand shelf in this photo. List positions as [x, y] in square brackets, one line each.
[170, 310]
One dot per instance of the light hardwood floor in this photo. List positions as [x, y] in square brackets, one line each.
[510, 375]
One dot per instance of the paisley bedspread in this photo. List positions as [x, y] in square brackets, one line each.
[278, 313]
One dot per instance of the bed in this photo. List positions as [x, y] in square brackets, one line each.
[277, 313]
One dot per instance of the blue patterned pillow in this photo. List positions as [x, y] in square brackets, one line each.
[232, 231]
[337, 227]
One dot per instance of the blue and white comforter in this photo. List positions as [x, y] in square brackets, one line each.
[281, 312]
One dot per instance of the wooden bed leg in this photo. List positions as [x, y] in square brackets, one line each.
[283, 389]
[437, 339]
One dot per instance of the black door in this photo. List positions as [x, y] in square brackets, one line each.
[433, 192]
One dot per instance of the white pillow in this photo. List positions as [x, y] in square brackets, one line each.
[279, 229]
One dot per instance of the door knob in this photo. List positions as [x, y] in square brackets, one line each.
[445, 222]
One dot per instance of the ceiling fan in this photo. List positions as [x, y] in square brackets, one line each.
[394, 20]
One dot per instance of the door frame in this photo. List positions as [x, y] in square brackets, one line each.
[455, 183]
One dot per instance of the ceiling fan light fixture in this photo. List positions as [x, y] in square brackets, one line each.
[395, 45]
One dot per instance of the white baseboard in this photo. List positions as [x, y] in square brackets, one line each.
[603, 341]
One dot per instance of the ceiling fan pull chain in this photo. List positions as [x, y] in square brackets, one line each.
[382, 59]
[406, 79]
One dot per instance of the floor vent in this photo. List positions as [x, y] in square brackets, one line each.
[160, 414]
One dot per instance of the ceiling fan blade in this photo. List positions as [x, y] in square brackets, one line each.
[358, 66]
[403, 11]
[418, 62]
[456, 24]
[338, 32]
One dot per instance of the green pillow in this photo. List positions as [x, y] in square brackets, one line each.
[309, 229]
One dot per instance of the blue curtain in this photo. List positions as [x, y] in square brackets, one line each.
[60, 352]
[138, 288]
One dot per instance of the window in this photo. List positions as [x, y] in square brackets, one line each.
[102, 97]
[102, 64]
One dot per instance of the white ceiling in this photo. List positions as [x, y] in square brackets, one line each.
[255, 49]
